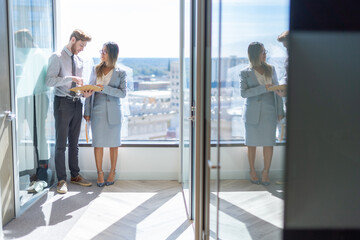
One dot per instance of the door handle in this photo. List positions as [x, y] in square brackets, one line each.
[212, 166]
[8, 115]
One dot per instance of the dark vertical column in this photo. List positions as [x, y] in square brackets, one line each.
[323, 148]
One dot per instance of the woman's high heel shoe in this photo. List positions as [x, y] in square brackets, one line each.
[108, 183]
[267, 182]
[100, 184]
[254, 181]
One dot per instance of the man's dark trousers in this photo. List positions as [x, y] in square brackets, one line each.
[68, 116]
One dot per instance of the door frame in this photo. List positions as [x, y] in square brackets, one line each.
[16, 180]
[8, 208]
[19, 209]
[192, 98]
[202, 142]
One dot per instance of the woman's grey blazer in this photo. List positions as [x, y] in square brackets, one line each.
[115, 90]
[251, 90]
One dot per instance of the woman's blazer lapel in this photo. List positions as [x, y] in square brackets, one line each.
[115, 78]
[252, 77]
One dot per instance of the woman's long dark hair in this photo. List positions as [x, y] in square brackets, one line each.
[254, 51]
[112, 50]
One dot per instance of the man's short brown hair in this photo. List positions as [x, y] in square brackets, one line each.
[283, 37]
[80, 35]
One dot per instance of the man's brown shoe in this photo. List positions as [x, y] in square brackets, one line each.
[61, 187]
[80, 180]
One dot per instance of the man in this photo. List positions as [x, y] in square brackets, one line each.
[64, 72]
[284, 39]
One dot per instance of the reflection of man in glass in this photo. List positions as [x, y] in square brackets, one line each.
[32, 106]
[64, 72]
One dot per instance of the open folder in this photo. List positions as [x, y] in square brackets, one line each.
[86, 88]
[277, 87]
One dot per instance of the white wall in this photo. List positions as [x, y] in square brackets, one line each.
[234, 162]
[135, 163]
[156, 163]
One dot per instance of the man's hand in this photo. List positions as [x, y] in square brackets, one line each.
[87, 118]
[78, 80]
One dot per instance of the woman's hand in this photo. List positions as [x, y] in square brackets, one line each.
[88, 93]
[87, 118]
[100, 85]
[281, 93]
[267, 86]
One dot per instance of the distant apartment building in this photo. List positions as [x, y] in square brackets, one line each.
[175, 85]
[153, 107]
[228, 114]
[151, 85]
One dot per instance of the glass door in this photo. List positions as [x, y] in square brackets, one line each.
[239, 209]
[33, 41]
[187, 103]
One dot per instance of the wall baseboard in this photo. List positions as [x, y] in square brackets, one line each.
[169, 176]
[237, 175]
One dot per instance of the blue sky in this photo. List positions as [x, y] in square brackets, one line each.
[257, 20]
[145, 28]
[142, 28]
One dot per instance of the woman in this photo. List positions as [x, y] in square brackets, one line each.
[104, 110]
[263, 109]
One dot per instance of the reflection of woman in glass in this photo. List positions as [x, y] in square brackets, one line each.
[263, 109]
[104, 109]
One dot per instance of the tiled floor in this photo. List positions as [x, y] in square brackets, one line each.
[125, 210]
[150, 210]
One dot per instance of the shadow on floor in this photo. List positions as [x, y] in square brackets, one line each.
[50, 210]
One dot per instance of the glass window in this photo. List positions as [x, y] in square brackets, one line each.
[147, 33]
[249, 184]
[244, 22]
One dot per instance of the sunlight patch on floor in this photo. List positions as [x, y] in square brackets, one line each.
[230, 228]
[105, 211]
[260, 204]
[163, 221]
